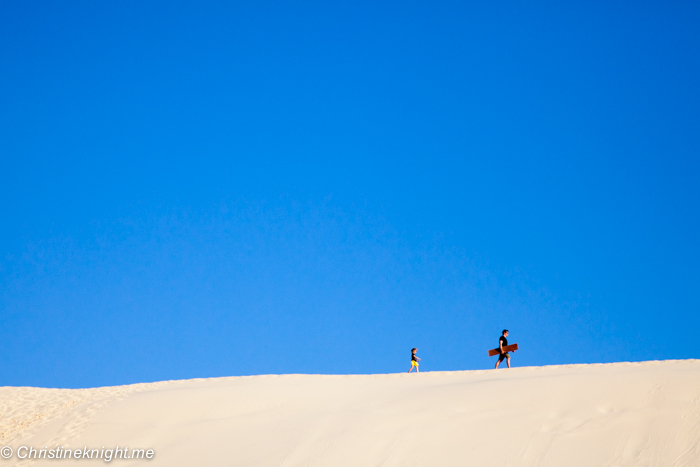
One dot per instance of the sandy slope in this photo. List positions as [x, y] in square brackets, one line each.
[624, 414]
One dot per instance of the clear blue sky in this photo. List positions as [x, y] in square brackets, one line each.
[209, 189]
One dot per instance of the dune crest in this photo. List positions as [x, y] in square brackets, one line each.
[621, 414]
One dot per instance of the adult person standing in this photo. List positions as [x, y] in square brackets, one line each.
[503, 342]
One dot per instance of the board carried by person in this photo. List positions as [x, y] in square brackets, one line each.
[507, 348]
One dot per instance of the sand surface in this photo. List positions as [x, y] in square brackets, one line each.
[622, 414]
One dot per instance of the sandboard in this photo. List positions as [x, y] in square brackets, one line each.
[507, 348]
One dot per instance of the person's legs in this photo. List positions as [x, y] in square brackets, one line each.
[501, 358]
[409, 370]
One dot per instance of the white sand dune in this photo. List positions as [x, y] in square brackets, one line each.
[622, 414]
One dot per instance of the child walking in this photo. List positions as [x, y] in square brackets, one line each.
[414, 360]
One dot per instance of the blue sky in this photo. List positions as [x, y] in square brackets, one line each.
[224, 188]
